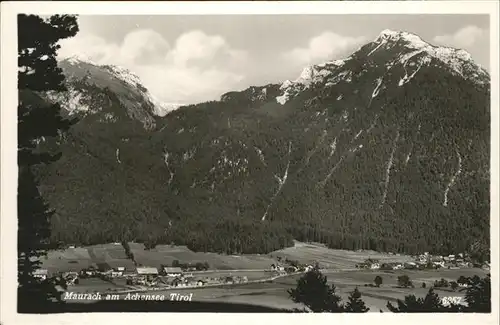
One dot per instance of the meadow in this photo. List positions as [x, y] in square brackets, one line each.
[338, 266]
[334, 258]
[74, 259]
[274, 294]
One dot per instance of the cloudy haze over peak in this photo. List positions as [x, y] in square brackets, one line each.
[189, 59]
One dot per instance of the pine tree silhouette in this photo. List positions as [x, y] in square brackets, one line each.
[313, 291]
[478, 295]
[355, 304]
[431, 303]
[38, 72]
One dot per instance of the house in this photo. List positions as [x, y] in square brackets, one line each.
[41, 274]
[118, 271]
[423, 258]
[410, 265]
[90, 271]
[146, 270]
[69, 274]
[71, 278]
[398, 267]
[115, 273]
[200, 283]
[375, 266]
[437, 261]
[172, 271]
[176, 282]
[308, 268]
[438, 264]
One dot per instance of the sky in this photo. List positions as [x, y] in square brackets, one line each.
[189, 59]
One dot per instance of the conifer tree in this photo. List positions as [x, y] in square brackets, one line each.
[37, 72]
[478, 295]
[355, 304]
[431, 303]
[313, 291]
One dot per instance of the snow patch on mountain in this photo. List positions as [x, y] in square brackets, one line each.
[72, 100]
[389, 37]
[405, 79]
[310, 75]
[458, 60]
[413, 53]
[124, 75]
[453, 178]
[79, 59]
[130, 79]
[160, 108]
[390, 162]
[377, 88]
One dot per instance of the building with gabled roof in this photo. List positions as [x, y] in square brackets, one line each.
[172, 271]
[146, 270]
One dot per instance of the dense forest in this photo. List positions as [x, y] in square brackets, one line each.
[405, 170]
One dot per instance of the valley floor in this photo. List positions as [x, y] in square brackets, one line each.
[75, 259]
[337, 265]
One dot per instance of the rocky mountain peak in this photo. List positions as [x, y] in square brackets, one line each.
[410, 40]
[401, 52]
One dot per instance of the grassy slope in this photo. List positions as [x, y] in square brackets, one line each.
[165, 254]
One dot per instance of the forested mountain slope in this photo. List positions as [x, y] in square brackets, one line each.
[387, 149]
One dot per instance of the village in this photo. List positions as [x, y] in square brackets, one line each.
[126, 276]
[426, 261]
[130, 278]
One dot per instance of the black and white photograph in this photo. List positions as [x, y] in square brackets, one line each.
[252, 163]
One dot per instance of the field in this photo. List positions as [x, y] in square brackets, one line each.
[74, 259]
[334, 258]
[275, 294]
[166, 254]
[338, 267]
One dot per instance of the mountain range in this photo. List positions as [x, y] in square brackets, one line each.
[387, 149]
